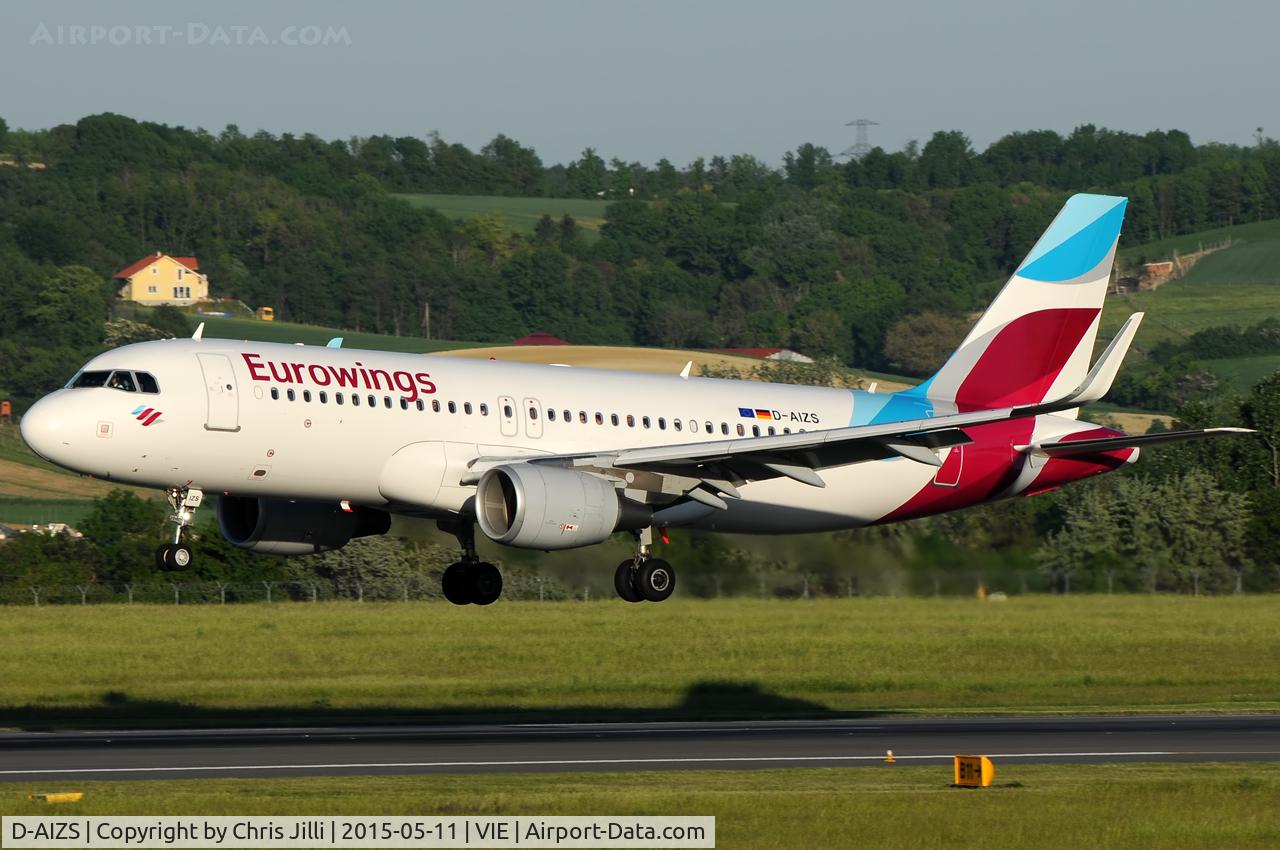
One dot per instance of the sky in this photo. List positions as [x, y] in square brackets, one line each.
[647, 80]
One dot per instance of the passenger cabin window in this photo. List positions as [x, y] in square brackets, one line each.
[466, 408]
[404, 403]
[422, 405]
[275, 393]
[306, 395]
[484, 409]
[324, 397]
[662, 423]
[677, 424]
[741, 431]
[693, 426]
[644, 420]
[289, 394]
[453, 407]
[355, 399]
[599, 418]
[507, 411]
[533, 412]
[435, 405]
[631, 421]
[613, 419]
[551, 414]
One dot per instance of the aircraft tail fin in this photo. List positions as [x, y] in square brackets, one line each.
[1035, 341]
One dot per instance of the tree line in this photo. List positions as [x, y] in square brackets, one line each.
[837, 259]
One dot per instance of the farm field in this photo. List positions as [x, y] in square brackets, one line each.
[1237, 286]
[1158, 807]
[521, 214]
[324, 662]
[666, 361]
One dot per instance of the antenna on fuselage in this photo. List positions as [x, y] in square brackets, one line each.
[199, 334]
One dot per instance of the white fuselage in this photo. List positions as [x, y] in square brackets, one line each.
[262, 419]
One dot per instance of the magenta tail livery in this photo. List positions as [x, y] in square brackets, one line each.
[312, 446]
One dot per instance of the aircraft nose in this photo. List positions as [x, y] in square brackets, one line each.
[46, 428]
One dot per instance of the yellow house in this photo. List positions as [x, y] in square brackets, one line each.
[162, 279]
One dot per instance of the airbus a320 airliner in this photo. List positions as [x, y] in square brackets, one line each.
[310, 447]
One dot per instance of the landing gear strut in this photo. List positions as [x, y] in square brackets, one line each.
[183, 501]
[642, 578]
[469, 581]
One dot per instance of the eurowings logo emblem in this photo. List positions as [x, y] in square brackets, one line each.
[146, 415]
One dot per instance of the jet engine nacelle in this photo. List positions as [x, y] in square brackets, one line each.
[532, 506]
[281, 527]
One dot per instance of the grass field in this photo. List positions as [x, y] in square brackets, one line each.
[1241, 373]
[521, 214]
[288, 332]
[912, 808]
[1236, 286]
[306, 662]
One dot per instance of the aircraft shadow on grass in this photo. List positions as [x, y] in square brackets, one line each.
[703, 701]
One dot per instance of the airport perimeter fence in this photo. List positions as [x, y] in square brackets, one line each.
[517, 586]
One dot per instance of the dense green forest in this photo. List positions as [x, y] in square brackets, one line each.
[820, 255]
[845, 260]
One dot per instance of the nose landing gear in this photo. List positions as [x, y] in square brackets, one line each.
[183, 501]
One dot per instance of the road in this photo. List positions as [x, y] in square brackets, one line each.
[631, 746]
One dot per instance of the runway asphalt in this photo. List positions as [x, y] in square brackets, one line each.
[631, 746]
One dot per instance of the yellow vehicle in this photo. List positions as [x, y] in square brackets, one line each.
[267, 314]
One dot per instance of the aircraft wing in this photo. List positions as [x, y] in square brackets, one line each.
[706, 471]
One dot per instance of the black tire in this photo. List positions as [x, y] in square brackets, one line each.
[179, 556]
[162, 557]
[623, 584]
[655, 580]
[485, 581]
[454, 584]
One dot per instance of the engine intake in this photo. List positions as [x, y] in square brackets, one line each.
[532, 506]
[281, 527]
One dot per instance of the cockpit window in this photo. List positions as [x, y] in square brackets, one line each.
[91, 379]
[122, 380]
[146, 382]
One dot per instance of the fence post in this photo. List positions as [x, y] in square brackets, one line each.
[35, 592]
[84, 592]
[312, 585]
[176, 592]
[128, 589]
[359, 592]
[404, 591]
[540, 596]
[267, 585]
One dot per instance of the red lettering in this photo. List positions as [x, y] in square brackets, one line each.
[373, 376]
[255, 369]
[297, 371]
[319, 375]
[404, 381]
[424, 381]
[344, 377]
[286, 378]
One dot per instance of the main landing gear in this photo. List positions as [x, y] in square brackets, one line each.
[183, 501]
[469, 581]
[641, 578]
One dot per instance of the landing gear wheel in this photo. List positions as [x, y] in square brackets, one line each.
[623, 584]
[173, 556]
[655, 580]
[485, 583]
[178, 556]
[454, 584]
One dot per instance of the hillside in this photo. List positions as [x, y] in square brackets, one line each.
[288, 332]
[520, 214]
[1239, 285]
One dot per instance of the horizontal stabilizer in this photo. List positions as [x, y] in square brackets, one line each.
[1107, 444]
